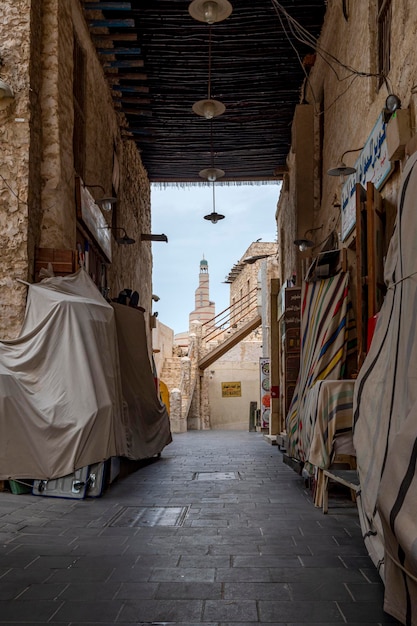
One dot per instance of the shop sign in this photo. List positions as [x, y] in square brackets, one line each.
[94, 220]
[265, 391]
[373, 165]
[289, 304]
[231, 390]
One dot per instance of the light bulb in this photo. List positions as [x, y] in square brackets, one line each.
[210, 12]
[209, 110]
[106, 205]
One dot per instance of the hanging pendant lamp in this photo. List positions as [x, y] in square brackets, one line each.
[210, 11]
[211, 174]
[209, 108]
[214, 217]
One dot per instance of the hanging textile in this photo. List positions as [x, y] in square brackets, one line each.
[385, 416]
[146, 418]
[327, 338]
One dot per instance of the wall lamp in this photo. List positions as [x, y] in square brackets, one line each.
[5, 90]
[392, 104]
[342, 169]
[256, 257]
[106, 203]
[125, 240]
[305, 243]
[149, 237]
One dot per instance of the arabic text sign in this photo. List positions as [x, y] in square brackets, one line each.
[372, 165]
[231, 390]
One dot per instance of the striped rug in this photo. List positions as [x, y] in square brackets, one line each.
[328, 336]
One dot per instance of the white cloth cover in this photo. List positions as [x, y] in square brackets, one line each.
[61, 405]
[385, 417]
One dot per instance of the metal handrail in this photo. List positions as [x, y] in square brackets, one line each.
[231, 316]
[244, 317]
[250, 294]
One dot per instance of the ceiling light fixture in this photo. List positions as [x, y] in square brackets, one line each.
[208, 107]
[304, 243]
[342, 169]
[106, 203]
[214, 217]
[211, 174]
[210, 11]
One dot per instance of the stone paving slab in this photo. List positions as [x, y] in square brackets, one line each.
[249, 548]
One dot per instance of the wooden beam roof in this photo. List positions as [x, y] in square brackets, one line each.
[255, 72]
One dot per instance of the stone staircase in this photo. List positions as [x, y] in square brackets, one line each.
[171, 372]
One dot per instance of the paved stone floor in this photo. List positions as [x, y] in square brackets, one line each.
[218, 531]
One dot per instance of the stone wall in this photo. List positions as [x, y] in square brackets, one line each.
[37, 185]
[347, 101]
[16, 47]
[163, 342]
[247, 280]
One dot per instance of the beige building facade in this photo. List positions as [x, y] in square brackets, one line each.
[231, 384]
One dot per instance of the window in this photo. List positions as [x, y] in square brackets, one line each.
[79, 132]
[384, 39]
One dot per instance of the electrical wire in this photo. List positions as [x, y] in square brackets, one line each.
[296, 51]
[302, 35]
[20, 201]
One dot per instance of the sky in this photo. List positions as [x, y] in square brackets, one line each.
[178, 212]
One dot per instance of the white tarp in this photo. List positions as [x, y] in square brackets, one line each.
[61, 405]
[385, 415]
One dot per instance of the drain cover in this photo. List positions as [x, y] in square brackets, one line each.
[216, 476]
[132, 516]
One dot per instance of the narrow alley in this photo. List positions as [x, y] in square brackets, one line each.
[217, 531]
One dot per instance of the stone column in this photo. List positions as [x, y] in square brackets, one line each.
[186, 376]
[178, 423]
